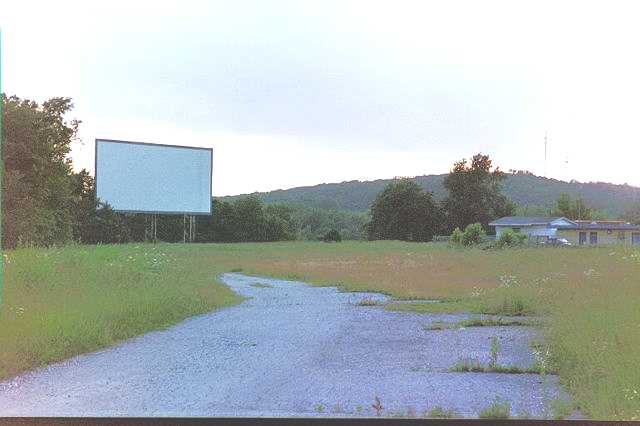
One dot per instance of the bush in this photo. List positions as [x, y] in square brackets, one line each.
[510, 238]
[456, 236]
[473, 234]
[332, 235]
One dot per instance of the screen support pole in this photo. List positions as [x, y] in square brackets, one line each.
[184, 228]
[155, 228]
[148, 228]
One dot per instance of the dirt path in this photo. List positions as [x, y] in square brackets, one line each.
[289, 350]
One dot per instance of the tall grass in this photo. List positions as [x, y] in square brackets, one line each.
[63, 301]
[589, 296]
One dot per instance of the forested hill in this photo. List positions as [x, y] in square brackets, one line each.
[527, 190]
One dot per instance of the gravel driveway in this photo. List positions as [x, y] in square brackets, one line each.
[289, 350]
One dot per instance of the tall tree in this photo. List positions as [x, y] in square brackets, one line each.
[218, 226]
[95, 221]
[563, 206]
[404, 211]
[38, 205]
[475, 193]
[279, 223]
[248, 220]
[632, 214]
[573, 209]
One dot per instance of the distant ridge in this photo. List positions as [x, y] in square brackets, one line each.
[524, 188]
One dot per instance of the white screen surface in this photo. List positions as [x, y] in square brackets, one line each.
[140, 177]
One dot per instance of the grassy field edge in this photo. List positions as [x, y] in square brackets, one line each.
[63, 301]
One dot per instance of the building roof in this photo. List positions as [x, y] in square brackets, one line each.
[523, 220]
[568, 224]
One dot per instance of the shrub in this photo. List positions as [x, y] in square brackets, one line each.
[456, 236]
[332, 235]
[510, 238]
[473, 234]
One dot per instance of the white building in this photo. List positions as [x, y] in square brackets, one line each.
[577, 232]
[532, 226]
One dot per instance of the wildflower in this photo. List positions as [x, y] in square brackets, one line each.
[476, 292]
[508, 281]
[631, 394]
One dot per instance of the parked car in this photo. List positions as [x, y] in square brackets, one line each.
[555, 242]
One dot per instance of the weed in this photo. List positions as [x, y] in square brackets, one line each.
[437, 325]
[476, 322]
[368, 302]
[359, 408]
[467, 366]
[474, 366]
[560, 408]
[377, 405]
[497, 410]
[495, 349]
[438, 412]
[261, 285]
[236, 270]
[482, 322]
[441, 307]
[320, 408]
[544, 363]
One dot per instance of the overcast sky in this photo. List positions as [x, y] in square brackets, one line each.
[300, 93]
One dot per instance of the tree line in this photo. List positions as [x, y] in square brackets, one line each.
[44, 202]
[405, 211]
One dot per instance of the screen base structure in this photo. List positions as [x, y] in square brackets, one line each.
[151, 228]
[188, 232]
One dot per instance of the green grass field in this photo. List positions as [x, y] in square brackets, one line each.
[63, 301]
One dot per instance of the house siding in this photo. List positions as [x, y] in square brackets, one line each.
[604, 238]
[537, 227]
[529, 231]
